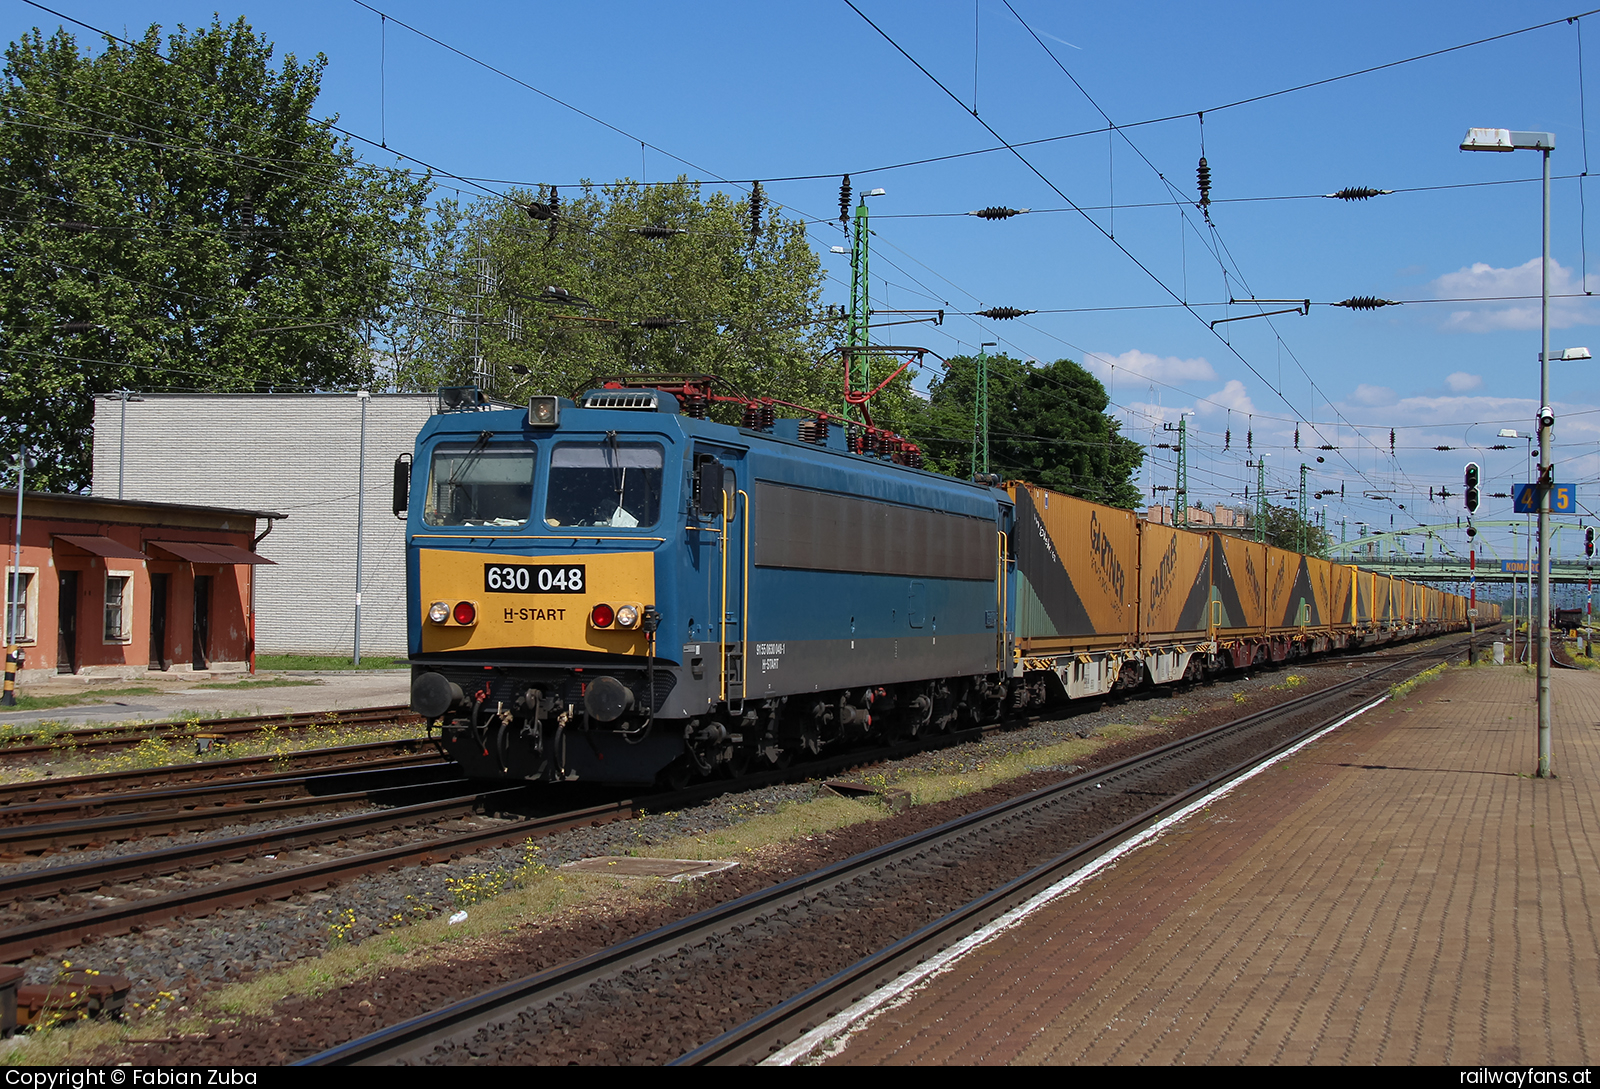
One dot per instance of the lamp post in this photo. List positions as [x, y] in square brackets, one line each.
[361, 505]
[1544, 143]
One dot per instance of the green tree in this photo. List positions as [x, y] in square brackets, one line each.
[658, 279]
[181, 224]
[1283, 531]
[1047, 425]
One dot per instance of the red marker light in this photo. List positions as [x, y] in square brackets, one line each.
[465, 613]
[602, 616]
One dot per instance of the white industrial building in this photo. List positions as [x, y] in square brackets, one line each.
[296, 453]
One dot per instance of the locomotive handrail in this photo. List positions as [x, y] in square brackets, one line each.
[1000, 588]
[744, 623]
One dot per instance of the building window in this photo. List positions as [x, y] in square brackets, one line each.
[119, 607]
[20, 613]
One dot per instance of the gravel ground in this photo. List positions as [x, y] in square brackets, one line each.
[187, 957]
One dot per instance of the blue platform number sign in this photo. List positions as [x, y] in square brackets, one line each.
[1563, 499]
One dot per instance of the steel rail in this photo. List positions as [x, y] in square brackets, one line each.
[79, 876]
[417, 1036]
[115, 828]
[370, 754]
[226, 797]
[126, 736]
[37, 938]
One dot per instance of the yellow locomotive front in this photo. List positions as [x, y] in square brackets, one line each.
[532, 549]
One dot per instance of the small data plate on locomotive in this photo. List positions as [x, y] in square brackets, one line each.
[535, 578]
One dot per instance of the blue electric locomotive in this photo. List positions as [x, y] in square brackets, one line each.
[621, 589]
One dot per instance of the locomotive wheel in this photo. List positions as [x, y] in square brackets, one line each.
[678, 774]
[737, 765]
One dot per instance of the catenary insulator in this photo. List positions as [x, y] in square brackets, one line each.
[659, 323]
[1366, 302]
[999, 212]
[1003, 313]
[1203, 177]
[1358, 192]
[757, 199]
[657, 232]
[844, 201]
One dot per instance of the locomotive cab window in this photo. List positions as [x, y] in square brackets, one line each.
[478, 484]
[604, 484]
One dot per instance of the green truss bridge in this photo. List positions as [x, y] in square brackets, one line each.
[1398, 554]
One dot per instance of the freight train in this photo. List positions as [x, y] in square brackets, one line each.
[619, 588]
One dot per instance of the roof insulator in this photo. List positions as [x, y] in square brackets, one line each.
[657, 232]
[1366, 302]
[999, 212]
[1358, 192]
[1003, 313]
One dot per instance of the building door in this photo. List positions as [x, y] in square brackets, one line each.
[158, 621]
[202, 621]
[67, 626]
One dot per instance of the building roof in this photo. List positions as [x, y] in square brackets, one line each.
[82, 506]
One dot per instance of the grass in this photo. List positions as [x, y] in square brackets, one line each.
[325, 662]
[1404, 688]
[78, 699]
[501, 900]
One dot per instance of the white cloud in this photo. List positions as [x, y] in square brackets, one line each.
[1461, 381]
[1372, 395]
[1229, 396]
[1482, 280]
[1134, 364]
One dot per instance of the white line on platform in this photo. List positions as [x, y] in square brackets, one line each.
[831, 1037]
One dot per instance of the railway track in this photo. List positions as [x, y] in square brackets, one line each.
[239, 727]
[367, 754]
[786, 949]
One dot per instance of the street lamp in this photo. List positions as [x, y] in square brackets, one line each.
[1544, 143]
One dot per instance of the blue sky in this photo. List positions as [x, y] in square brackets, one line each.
[771, 90]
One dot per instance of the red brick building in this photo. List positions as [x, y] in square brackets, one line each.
[116, 588]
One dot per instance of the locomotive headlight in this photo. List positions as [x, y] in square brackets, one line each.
[439, 612]
[627, 616]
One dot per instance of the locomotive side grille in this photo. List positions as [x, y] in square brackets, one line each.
[642, 400]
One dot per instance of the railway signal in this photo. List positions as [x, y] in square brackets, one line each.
[1471, 496]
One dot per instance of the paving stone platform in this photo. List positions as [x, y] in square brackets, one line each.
[1402, 891]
